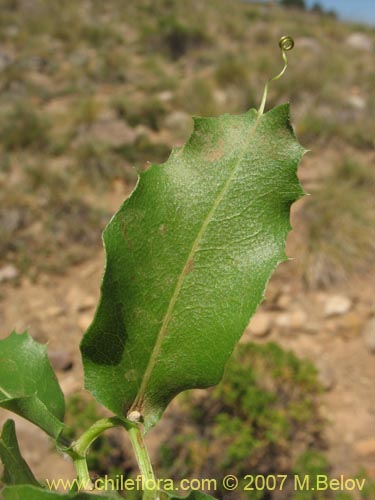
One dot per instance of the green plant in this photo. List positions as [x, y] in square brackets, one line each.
[188, 256]
[264, 408]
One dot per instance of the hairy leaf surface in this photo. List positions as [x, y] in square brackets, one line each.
[28, 385]
[188, 256]
[16, 470]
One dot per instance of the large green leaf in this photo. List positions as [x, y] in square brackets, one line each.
[188, 257]
[32, 493]
[16, 470]
[28, 385]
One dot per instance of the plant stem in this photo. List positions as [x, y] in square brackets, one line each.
[80, 447]
[84, 442]
[144, 462]
[83, 477]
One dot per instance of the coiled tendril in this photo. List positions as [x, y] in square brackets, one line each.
[285, 43]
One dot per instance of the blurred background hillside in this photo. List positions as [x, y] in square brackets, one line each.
[90, 93]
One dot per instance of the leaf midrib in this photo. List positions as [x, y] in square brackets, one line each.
[140, 397]
[6, 393]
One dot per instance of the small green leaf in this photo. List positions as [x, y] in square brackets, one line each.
[16, 470]
[28, 385]
[31, 493]
[188, 257]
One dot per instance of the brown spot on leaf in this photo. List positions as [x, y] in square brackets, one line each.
[163, 229]
[217, 153]
[124, 231]
[189, 266]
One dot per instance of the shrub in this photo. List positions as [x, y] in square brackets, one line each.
[264, 410]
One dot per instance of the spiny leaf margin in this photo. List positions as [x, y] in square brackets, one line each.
[109, 347]
[28, 384]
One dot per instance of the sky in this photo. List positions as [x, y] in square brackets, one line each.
[350, 10]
